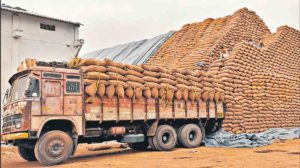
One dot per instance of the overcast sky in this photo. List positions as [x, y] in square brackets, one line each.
[111, 22]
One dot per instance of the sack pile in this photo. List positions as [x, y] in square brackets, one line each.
[108, 78]
[201, 42]
[262, 85]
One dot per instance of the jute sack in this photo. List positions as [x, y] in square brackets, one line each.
[116, 70]
[134, 84]
[115, 76]
[192, 78]
[178, 75]
[180, 71]
[178, 94]
[93, 68]
[168, 76]
[113, 63]
[135, 68]
[120, 91]
[134, 79]
[182, 86]
[170, 95]
[211, 95]
[167, 86]
[168, 81]
[198, 96]
[117, 82]
[90, 61]
[147, 92]
[91, 89]
[151, 79]
[217, 96]
[154, 92]
[129, 92]
[134, 73]
[150, 68]
[110, 91]
[182, 81]
[192, 95]
[101, 90]
[152, 74]
[205, 95]
[152, 85]
[165, 70]
[138, 92]
[96, 76]
[185, 94]
[90, 81]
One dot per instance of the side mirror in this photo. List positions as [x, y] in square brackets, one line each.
[6, 95]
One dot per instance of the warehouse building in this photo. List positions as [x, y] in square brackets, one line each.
[30, 35]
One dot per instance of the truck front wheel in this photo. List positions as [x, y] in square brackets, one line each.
[26, 153]
[53, 147]
[165, 138]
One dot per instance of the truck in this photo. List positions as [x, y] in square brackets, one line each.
[46, 117]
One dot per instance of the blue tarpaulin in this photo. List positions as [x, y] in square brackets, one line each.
[222, 138]
[131, 53]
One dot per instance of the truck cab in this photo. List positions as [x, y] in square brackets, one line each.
[42, 99]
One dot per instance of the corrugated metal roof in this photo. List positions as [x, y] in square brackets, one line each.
[23, 11]
[135, 53]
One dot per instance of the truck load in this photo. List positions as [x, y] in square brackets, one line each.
[52, 107]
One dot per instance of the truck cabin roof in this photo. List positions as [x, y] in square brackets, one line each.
[42, 69]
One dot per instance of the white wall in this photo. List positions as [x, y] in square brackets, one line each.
[36, 43]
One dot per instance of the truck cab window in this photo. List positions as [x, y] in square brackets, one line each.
[34, 88]
[73, 87]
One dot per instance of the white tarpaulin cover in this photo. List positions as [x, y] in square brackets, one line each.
[131, 53]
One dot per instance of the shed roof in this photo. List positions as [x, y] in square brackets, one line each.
[24, 11]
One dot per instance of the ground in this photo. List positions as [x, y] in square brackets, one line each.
[280, 154]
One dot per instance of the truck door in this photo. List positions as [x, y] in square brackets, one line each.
[52, 94]
[73, 95]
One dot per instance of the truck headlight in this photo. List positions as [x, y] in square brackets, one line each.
[18, 125]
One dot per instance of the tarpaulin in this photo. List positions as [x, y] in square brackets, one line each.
[131, 53]
[222, 138]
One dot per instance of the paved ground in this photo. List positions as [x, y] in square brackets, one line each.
[285, 154]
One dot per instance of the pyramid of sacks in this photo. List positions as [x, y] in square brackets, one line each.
[262, 84]
[201, 42]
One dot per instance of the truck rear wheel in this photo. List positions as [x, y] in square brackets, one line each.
[165, 138]
[189, 135]
[53, 147]
[26, 153]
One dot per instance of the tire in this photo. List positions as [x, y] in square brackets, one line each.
[53, 148]
[165, 138]
[189, 135]
[139, 146]
[27, 154]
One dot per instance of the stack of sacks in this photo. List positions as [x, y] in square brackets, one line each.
[262, 83]
[201, 42]
[108, 78]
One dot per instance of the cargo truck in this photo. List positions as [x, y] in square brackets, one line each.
[45, 116]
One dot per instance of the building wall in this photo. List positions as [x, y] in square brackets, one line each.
[44, 45]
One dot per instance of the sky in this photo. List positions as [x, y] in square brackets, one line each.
[111, 22]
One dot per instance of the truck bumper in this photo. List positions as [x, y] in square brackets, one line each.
[15, 136]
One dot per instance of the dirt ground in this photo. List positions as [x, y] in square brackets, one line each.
[285, 154]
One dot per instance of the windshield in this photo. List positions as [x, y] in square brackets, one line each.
[19, 88]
